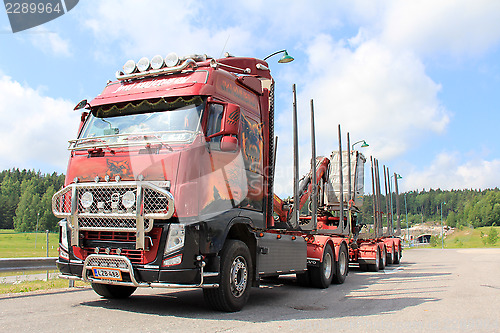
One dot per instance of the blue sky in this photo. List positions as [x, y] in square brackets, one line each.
[419, 80]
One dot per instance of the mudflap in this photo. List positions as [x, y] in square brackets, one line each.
[281, 254]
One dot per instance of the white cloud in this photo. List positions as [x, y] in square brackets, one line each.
[445, 26]
[376, 94]
[448, 171]
[148, 27]
[34, 129]
[49, 42]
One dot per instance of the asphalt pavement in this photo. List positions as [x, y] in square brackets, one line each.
[433, 290]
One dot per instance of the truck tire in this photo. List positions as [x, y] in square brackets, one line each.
[376, 266]
[341, 266]
[397, 258]
[390, 256]
[383, 258]
[235, 278]
[321, 277]
[113, 291]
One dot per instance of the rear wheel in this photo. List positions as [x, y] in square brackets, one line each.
[376, 266]
[235, 277]
[383, 258]
[342, 266]
[321, 277]
[390, 256]
[112, 291]
[397, 258]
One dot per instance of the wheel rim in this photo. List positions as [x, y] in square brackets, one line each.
[342, 262]
[327, 265]
[238, 276]
[377, 258]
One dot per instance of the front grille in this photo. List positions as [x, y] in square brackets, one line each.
[135, 256]
[88, 223]
[109, 236]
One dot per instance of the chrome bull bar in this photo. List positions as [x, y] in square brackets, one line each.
[125, 266]
[104, 208]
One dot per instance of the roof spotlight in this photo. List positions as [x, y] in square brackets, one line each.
[157, 62]
[171, 59]
[129, 67]
[143, 64]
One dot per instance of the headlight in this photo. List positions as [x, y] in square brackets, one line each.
[64, 234]
[86, 200]
[175, 240]
[128, 199]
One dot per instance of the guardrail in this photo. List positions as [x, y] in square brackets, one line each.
[27, 264]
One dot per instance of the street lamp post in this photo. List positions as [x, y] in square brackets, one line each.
[36, 231]
[442, 230]
[407, 227]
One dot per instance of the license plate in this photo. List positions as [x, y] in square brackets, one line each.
[107, 273]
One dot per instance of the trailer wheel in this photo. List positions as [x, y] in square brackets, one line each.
[383, 258]
[390, 256]
[112, 291]
[376, 266]
[235, 276]
[397, 258]
[321, 277]
[342, 266]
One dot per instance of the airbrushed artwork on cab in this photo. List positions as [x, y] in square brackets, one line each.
[253, 147]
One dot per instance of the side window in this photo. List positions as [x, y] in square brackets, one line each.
[214, 122]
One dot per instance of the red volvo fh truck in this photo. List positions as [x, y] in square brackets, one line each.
[170, 184]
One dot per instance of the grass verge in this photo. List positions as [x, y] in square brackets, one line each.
[27, 286]
[22, 244]
[471, 238]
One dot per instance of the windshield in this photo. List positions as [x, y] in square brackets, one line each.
[177, 125]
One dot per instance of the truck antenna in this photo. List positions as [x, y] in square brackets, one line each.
[225, 44]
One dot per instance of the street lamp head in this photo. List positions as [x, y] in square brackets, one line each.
[364, 144]
[284, 59]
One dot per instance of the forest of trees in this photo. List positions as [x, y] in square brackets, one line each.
[473, 208]
[27, 193]
[26, 196]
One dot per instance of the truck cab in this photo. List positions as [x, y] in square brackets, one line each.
[168, 179]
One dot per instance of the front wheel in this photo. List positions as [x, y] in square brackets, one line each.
[235, 277]
[342, 266]
[321, 277]
[112, 291]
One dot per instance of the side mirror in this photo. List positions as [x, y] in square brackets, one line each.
[228, 143]
[231, 120]
[81, 105]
